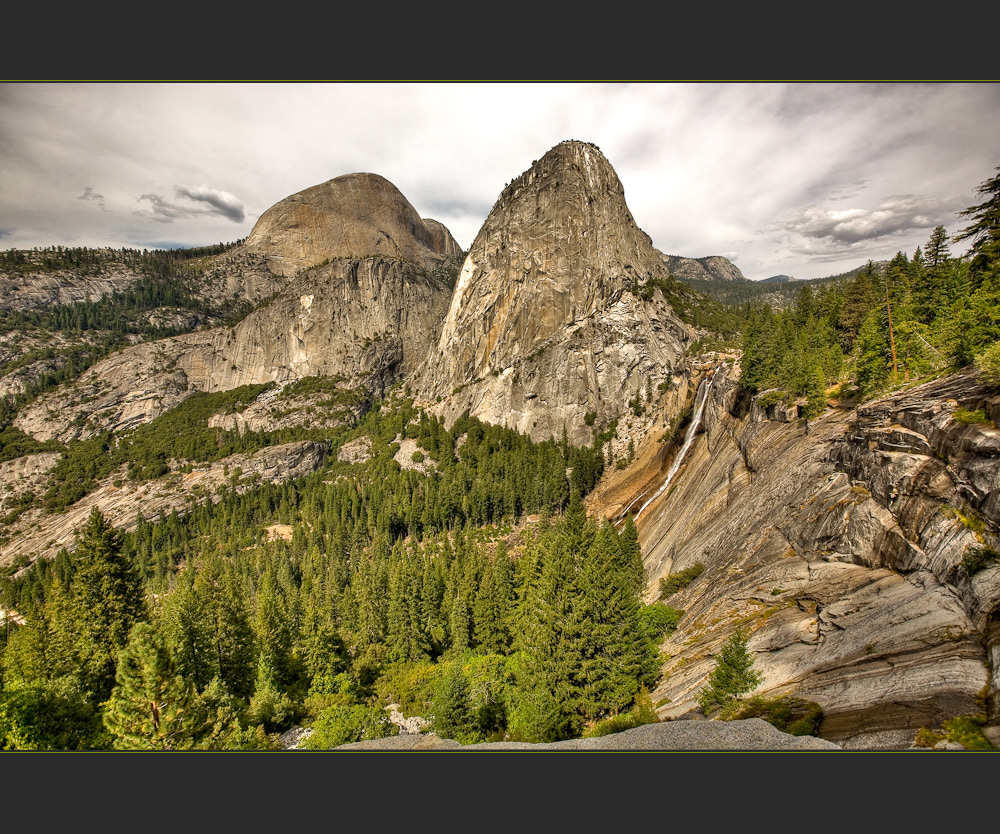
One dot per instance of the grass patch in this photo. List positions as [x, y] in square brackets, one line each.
[963, 415]
[642, 713]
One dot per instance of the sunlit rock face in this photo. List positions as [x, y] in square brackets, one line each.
[842, 552]
[346, 217]
[548, 320]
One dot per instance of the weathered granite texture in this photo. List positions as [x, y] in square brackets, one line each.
[548, 320]
[840, 550]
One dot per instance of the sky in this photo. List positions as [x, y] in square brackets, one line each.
[805, 179]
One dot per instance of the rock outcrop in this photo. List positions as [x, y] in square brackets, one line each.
[347, 217]
[369, 320]
[842, 550]
[41, 534]
[551, 317]
[748, 734]
[711, 268]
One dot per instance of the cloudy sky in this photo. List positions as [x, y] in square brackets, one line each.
[806, 180]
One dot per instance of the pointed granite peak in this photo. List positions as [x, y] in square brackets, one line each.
[559, 257]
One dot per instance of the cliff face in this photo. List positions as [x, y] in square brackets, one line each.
[547, 321]
[369, 320]
[841, 551]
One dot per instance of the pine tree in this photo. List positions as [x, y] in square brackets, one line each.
[109, 599]
[151, 707]
[733, 675]
[985, 231]
[452, 713]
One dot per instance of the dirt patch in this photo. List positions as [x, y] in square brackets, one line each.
[279, 531]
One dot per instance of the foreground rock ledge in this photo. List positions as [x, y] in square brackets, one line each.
[746, 734]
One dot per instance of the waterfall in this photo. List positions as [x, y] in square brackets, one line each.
[700, 398]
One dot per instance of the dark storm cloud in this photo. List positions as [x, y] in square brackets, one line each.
[221, 202]
[200, 201]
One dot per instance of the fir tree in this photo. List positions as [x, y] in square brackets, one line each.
[151, 707]
[108, 598]
[733, 675]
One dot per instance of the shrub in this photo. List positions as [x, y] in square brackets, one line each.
[342, 724]
[976, 558]
[641, 713]
[672, 584]
[967, 730]
[794, 716]
[658, 620]
[963, 415]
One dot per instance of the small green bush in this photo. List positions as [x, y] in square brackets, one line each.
[967, 730]
[794, 716]
[658, 620]
[670, 585]
[963, 415]
[342, 724]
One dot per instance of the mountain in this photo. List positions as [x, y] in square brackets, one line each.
[711, 268]
[853, 548]
[553, 316]
[778, 279]
[346, 217]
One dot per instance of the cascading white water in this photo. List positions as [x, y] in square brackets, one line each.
[700, 398]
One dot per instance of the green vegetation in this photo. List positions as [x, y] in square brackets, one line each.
[670, 585]
[977, 557]
[397, 585]
[966, 730]
[887, 325]
[791, 715]
[988, 363]
[732, 677]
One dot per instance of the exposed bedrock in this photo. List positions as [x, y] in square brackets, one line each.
[841, 551]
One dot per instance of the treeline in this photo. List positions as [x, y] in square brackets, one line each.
[394, 586]
[87, 260]
[887, 325]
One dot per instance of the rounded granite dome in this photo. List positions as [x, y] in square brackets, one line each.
[354, 215]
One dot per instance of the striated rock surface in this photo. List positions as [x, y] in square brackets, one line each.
[711, 268]
[549, 319]
[346, 217]
[840, 551]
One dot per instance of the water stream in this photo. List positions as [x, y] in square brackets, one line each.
[700, 398]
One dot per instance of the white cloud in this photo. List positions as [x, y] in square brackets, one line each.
[761, 169]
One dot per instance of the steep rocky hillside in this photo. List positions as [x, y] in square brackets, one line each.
[554, 316]
[855, 553]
